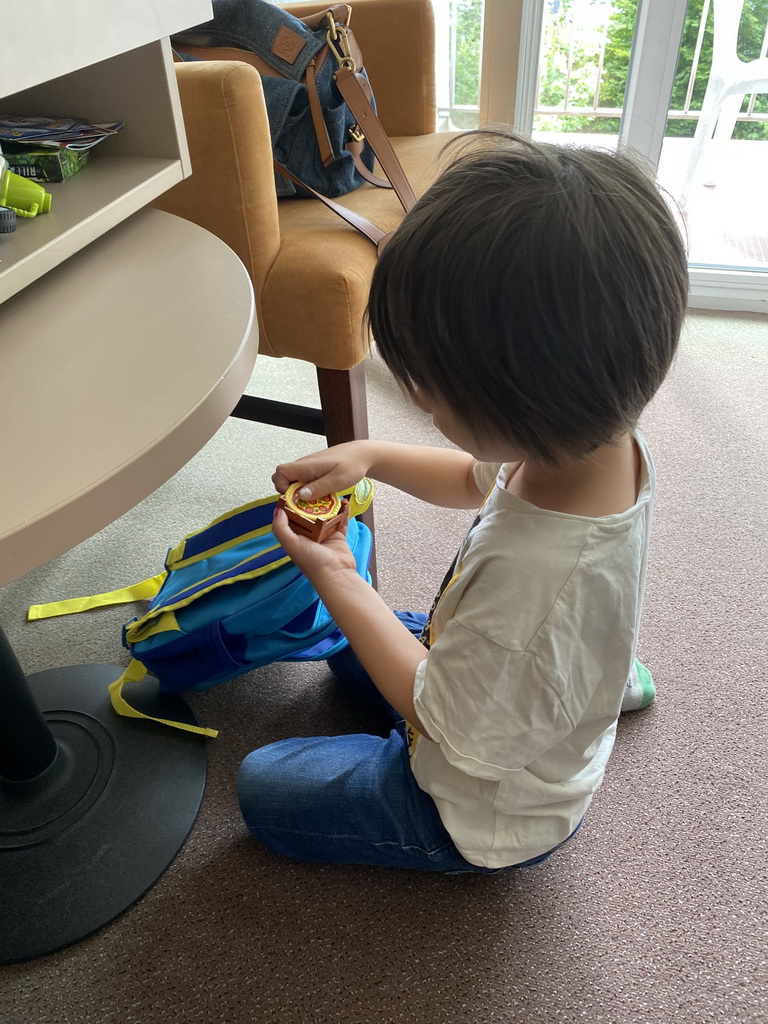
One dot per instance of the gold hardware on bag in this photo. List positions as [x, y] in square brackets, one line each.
[357, 133]
[332, 21]
[342, 54]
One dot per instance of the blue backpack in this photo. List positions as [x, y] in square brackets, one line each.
[230, 601]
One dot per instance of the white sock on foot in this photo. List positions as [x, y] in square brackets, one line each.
[640, 691]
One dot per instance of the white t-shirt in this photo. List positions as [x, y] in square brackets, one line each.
[533, 641]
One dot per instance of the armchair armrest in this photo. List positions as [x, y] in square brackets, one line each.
[231, 191]
[397, 40]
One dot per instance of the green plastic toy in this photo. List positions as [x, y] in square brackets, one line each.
[23, 196]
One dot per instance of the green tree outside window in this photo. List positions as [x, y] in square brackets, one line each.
[564, 19]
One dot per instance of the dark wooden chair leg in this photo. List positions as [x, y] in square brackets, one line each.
[344, 404]
[345, 418]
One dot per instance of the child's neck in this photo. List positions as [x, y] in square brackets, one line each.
[603, 483]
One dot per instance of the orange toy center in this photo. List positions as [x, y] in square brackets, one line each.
[316, 506]
[324, 507]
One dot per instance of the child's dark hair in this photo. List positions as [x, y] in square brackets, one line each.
[537, 290]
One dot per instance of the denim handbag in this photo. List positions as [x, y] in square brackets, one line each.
[324, 129]
[314, 133]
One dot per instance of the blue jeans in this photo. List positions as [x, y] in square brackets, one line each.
[349, 799]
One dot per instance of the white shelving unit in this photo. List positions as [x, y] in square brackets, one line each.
[106, 62]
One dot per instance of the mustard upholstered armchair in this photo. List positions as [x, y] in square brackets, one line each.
[311, 271]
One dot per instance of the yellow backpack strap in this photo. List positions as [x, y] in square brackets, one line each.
[360, 496]
[133, 674]
[143, 591]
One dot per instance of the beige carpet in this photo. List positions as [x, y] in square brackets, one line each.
[655, 913]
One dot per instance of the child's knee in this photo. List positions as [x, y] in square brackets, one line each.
[266, 786]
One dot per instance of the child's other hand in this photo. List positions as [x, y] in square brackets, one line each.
[333, 469]
[315, 559]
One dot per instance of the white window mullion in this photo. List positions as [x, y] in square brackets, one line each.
[652, 66]
[527, 92]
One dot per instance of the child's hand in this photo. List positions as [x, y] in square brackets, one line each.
[315, 560]
[333, 469]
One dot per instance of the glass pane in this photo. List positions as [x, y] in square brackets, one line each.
[458, 38]
[720, 182]
[585, 51]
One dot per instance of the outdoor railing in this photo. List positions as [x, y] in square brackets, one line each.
[578, 68]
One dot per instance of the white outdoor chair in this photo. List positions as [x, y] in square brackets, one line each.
[730, 80]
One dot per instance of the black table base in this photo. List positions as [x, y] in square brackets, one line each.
[93, 806]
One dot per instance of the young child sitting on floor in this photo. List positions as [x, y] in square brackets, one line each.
[531, 302]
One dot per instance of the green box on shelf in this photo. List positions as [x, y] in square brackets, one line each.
[47, 164]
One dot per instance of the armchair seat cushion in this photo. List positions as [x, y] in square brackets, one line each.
[324, 258]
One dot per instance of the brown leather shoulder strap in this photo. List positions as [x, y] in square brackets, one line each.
[355, 89]
[355, 148]
[318, 121]
[366, 227]
[229, 53]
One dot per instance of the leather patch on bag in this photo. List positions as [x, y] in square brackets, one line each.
[287, 45]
